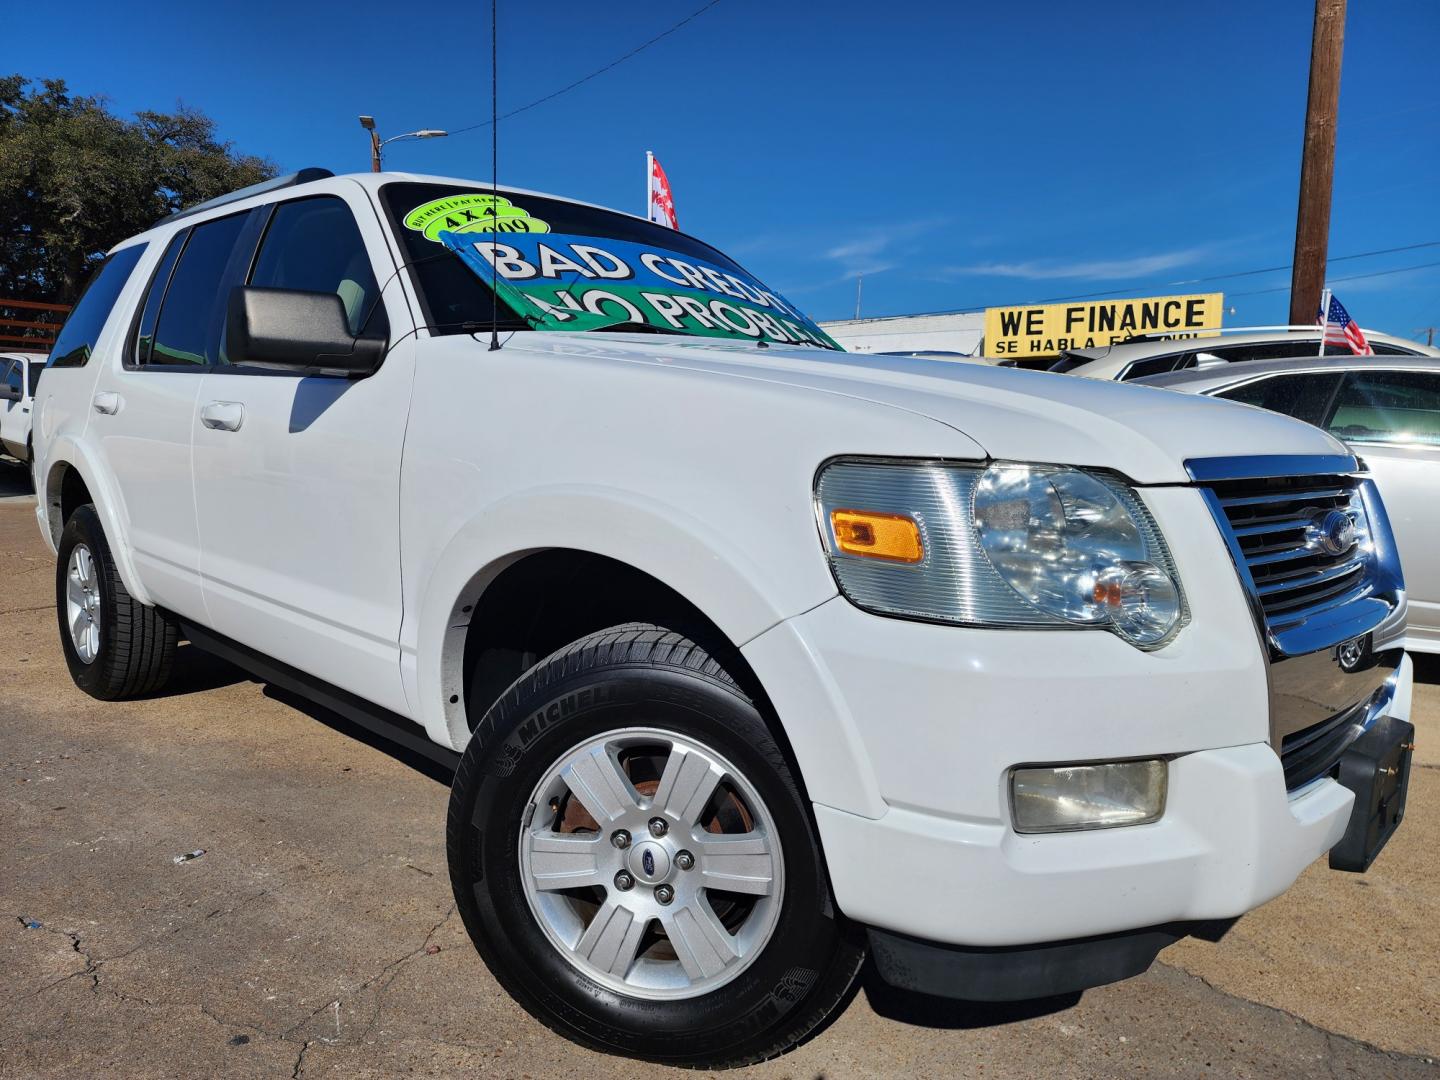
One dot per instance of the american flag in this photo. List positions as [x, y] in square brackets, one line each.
[662, 203]
[1340, 329]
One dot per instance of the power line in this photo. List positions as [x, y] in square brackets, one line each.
[594, 74]
[1351, 277]
[1194, 281]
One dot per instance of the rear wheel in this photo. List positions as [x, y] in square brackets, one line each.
[115, 646]
[635, 862]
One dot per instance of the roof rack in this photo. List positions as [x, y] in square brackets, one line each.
[304, 176]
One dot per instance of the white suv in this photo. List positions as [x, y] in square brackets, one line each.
[750, 654]
[19, 375]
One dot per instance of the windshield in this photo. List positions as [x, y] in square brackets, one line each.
[561, 266]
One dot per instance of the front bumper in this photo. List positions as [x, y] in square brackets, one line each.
[930, 719]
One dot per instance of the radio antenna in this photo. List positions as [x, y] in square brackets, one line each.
[494, 180]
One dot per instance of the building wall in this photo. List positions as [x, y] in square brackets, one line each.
[911, 333]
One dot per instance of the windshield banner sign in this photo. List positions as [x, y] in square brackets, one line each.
[567, 282]
[1050, 329]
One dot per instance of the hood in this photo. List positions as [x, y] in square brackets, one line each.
[1143, 432]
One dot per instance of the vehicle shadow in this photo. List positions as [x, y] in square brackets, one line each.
[14, 479]
[1427, 667]
[197, 671]
[441, 774]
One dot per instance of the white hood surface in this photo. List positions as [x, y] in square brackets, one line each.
[1145, 433]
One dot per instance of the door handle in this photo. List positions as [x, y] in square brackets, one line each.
[107, 403]
[223, 415]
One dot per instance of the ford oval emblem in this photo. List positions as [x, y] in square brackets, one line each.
[1332, 532]
[647, 860]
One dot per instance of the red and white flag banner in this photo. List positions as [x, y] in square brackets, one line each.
[660, 203]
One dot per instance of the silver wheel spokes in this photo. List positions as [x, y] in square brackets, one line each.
[82, 604]
[651, 864]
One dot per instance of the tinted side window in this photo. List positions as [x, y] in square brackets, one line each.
[1392, 350]
[1388, 406]
[36, 367]
[315, 245]
[1277, 350]
[188, 329]
[10, 373]
[1304, 395]
[1156, 365]
[82, 329]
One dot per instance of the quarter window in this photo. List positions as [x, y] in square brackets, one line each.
[314, 245]
[1401, 407]
[82, 329]
[1303, 395]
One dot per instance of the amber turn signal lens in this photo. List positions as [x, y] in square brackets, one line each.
[895, 537]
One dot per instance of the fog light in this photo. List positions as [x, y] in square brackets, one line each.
[1063, 798]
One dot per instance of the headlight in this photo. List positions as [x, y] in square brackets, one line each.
[1011, 545]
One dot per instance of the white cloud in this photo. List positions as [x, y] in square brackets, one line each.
[1090, 269]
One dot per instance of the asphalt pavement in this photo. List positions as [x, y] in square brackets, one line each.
[225, 881]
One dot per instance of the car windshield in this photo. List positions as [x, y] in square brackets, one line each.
[558, 265]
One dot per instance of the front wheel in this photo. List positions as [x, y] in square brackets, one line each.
[634, 861]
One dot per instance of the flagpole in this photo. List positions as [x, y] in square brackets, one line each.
[649, 179]
[1325, 324]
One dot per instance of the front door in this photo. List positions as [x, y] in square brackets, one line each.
[297, 478]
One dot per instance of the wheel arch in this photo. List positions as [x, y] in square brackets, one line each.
[733, 593]
[72, 479]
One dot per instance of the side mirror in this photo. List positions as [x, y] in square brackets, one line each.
[294, 330]
[9, 393]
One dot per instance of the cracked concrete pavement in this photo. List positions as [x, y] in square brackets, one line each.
[317, 935]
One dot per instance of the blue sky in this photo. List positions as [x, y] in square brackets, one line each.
[956, 155]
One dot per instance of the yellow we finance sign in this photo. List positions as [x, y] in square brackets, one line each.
[1050, 329]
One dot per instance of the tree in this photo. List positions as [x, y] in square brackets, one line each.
[75, 179]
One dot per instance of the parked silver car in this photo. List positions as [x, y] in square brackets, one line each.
[1145, 356]
[1388, 409]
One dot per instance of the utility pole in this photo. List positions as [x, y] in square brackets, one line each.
[1317, 163]
[1429, 332]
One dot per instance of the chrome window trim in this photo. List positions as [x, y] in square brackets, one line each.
[1262, 466]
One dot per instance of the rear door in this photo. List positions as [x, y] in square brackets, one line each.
[144, 403]
[297, 478]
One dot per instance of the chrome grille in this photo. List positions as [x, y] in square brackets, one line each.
[1271, 519]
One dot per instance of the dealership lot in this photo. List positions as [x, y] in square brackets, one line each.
[316, 933]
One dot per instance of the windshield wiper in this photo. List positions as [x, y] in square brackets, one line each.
[632, 327]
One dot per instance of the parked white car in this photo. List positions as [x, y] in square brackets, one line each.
[1142, 357]
[1387, 408]
[19, 374]
[753, 655]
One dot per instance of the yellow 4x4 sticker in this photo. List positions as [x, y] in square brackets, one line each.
[472, 213]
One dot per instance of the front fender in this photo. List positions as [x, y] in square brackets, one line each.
[739, 593]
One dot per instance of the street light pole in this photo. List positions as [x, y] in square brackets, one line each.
[377, 144]
[368, 123]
